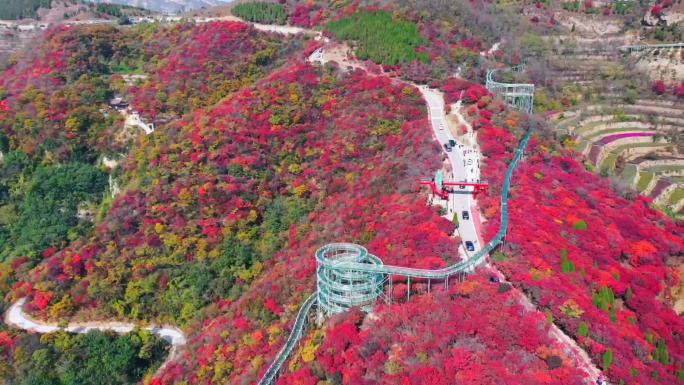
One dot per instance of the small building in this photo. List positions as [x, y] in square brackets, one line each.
[118, 103]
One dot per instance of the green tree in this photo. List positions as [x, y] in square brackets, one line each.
[260, 12]
[92, 358]
[661, 354]
[604, 298]
[48, 209]
[380, 38]
[583, 329]
[567, 266]
[607, 359]
[580, 225]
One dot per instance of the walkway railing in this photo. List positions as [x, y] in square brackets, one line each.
[295, 335]
[342, 266]
[644, 47]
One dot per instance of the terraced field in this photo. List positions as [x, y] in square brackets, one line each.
[641, 143]
[583, 62]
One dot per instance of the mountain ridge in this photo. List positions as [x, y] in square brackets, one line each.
[167, 6]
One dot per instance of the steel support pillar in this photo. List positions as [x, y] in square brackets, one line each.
[408, 292]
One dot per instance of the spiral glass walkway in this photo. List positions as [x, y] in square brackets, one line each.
[516, 95]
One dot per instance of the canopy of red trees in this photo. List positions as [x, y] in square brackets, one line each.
[476, 333]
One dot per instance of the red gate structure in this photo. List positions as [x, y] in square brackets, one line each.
[441, 188]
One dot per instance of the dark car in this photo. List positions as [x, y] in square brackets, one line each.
[465, 215]
[447, 147]
[470, 246]
[452, 143]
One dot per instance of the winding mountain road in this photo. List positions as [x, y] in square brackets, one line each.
[16, 317]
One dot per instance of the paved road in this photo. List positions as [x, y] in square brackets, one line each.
[464, 163]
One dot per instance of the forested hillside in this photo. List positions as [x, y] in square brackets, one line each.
[261, 12]
[206, 218]
[61, 358]
[20, 9]
[54, 196]
[259, 156]
[52, 103]
[323, 130]
[27, 9]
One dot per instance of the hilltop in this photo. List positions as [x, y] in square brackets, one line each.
[167, 6]
[24, 22]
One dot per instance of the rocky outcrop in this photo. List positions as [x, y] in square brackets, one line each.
[651, 21]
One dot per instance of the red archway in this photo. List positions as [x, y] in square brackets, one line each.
[443, 192]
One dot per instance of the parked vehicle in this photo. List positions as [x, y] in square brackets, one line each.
[452, 143]
[465, 215]
[447, 147]
[469, 246]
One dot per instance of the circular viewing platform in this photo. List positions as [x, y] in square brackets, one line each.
[340, 287]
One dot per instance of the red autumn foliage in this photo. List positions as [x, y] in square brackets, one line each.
[41, 299]
[659, 87]
[475, 333]
[453, 89]
[678, 91]
[657, 10]
[44, 88]
[202, 64]
[475, 93]
[272, 306]
[333, 144]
